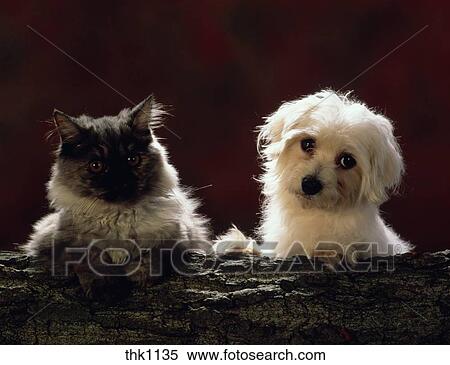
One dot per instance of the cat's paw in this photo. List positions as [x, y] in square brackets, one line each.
[119, 257]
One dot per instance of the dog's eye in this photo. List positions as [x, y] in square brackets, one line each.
[133, 160]
[346, 161]
[96, 166]
[308, 144]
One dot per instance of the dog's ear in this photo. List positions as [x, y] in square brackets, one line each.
[385, 164]
[271, 131]
[294, 114]
[271, 137]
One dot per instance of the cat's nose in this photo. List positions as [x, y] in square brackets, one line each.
[311, 185]
[120, 186]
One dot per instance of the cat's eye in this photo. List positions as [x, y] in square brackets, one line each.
[134, 160]
[308, 145]
[346, 161]
[96, 166]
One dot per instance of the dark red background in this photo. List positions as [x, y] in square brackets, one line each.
[222, 66]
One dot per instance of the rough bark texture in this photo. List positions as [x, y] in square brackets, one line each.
[236, 301]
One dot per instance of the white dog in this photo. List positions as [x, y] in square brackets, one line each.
[329, 162]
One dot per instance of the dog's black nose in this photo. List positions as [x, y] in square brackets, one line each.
[311, 185]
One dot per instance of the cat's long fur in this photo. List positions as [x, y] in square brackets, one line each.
[167, 212]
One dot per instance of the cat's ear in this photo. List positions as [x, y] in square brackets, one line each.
[68, 130]
[145, 116]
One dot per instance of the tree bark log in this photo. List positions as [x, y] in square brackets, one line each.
[236, 301]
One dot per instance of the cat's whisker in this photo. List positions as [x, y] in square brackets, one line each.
[202, 187]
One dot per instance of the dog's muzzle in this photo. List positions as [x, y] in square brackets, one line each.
[311, 185]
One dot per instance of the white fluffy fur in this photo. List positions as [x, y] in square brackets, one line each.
[235, 242]
[346, 211]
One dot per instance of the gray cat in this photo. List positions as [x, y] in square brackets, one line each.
[112, 185]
